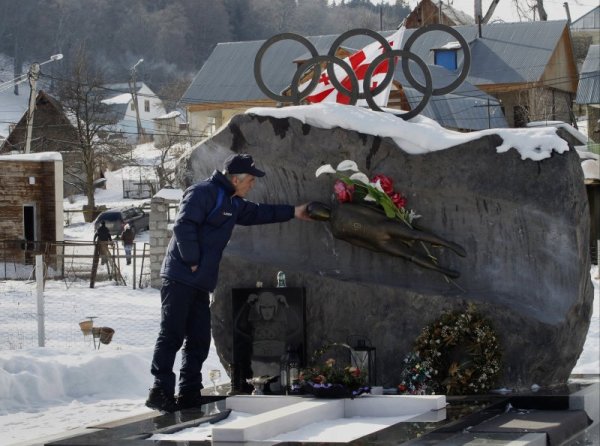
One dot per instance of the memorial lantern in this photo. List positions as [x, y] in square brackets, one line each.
[363, 355]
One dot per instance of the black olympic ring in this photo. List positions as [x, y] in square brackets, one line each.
[335, 45]
[352, 93]
[428, 90]
[466, 60]
[296, 96]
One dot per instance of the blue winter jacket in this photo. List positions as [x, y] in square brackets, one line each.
[207, 215]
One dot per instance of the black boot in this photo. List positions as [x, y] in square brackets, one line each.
[158, 399]
[190, 400]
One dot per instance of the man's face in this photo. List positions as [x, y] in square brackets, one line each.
[242, 187]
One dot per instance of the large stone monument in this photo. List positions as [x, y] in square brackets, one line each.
[524, 225]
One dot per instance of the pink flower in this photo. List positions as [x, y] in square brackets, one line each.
[386, 183]
[343, 192]
[398, 200]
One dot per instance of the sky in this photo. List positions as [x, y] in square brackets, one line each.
[507, 12]
[47, 392]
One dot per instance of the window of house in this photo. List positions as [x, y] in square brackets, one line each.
[447, 58]
[212, 125]
[146, 105]
[132, 105]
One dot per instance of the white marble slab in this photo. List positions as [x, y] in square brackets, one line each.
[276, 415]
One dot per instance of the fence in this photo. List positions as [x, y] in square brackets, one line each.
[139, 189]
[73, 261]
[134, 315]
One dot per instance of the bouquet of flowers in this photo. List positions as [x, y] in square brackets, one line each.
[379, 190]
[329, 380]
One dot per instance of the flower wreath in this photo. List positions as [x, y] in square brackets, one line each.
[463, 351]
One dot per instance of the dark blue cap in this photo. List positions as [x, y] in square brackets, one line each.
[241, 163]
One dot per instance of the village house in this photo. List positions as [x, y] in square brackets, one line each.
[52, 131]
[588, 24]
[428, 12]
[588, 91]
[525, 82]
[122, 108]
[31, 205]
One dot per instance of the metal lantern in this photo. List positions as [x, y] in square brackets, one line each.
[363, 356]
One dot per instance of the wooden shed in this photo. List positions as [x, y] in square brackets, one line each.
[31, 205]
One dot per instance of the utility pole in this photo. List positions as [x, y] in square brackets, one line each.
[33, 75]
[133, 90]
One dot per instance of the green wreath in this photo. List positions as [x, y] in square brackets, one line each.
[463, 351]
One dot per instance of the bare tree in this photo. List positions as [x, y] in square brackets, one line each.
[81, 96]
[524, 8]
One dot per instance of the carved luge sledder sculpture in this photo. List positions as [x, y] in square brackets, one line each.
[370, 228]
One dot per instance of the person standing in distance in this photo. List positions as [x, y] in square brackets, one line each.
[127, 237]
[208, 212]
[104, 239]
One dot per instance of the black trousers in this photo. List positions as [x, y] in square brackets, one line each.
[185, 317]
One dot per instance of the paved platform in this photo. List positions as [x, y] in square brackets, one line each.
[561, 416]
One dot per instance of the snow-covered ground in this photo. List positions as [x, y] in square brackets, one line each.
[69, 384]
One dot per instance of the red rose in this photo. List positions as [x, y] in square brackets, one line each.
[354, 371]
[319, 379]
[343, 192]
[402, 388]
[398, 200]
[386, 183]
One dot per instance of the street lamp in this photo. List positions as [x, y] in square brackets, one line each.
[23, 77]
[133, 90]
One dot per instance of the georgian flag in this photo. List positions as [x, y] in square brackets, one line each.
[359, 61]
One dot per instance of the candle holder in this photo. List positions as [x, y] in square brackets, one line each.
[259, 382]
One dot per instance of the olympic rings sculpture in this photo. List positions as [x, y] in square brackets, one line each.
[296, 96]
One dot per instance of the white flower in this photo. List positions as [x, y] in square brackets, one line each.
[359, 176]
[325, 168]
[369, 197]
[412, 216]
[377, 185]
[347, 165]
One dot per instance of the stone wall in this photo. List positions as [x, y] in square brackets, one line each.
[160, 234]
[524, 225]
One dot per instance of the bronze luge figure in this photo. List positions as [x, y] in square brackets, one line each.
[370, 228]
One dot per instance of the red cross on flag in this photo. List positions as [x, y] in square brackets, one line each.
[359, 61]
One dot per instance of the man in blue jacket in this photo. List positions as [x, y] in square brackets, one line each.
[207, 214]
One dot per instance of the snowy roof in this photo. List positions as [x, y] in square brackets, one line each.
[170, 115]
[41, 156]
[170, 194]
[124, 98]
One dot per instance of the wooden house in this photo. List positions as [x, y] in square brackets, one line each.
[31, 205]
[52, 131]
[428, 12]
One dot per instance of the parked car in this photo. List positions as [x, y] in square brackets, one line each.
[116, 219]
